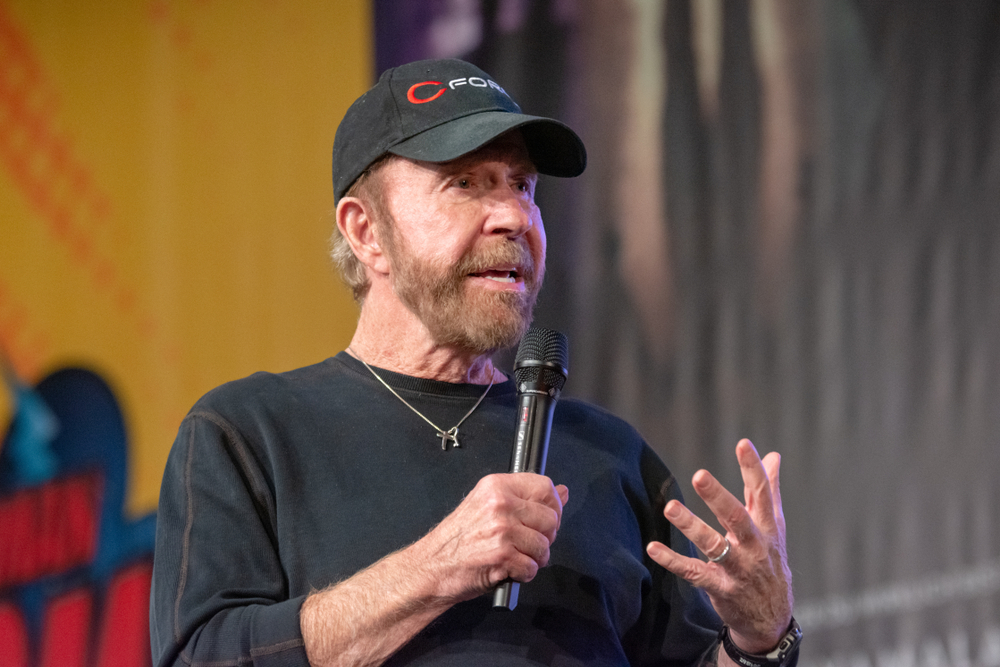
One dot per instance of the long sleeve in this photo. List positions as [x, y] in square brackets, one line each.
[219, 594]
[678, 625]
[282, 484]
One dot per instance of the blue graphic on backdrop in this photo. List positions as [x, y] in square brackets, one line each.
[74, 571]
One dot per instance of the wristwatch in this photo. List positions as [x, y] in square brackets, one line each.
[776, 658]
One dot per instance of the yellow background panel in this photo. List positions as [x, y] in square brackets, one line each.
[165, 196]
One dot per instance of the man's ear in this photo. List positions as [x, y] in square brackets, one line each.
[355, 223]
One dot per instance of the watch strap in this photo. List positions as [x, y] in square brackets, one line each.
[777, 657]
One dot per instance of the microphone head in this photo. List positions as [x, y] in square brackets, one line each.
[542, 357]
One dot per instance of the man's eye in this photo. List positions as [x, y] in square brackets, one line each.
[463, 183]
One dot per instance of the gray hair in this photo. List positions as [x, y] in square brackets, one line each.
[369, 188]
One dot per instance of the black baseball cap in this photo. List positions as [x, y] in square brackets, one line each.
[439, 110]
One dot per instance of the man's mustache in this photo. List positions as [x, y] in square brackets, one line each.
[503, 253]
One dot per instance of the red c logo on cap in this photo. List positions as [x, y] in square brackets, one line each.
[413, 98]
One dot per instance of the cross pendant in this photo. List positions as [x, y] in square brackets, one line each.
[451, 434]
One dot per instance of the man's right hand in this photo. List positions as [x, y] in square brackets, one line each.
[502, 530]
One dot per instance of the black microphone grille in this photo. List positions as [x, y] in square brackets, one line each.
[543, 355]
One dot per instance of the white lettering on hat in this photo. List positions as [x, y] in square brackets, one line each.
[477, 82]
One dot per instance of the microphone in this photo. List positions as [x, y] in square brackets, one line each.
[540, 370]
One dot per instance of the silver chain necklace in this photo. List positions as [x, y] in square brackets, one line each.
[446, 436]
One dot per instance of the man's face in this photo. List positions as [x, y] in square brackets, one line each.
[467, 246]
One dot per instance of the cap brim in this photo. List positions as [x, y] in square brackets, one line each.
[553, 147]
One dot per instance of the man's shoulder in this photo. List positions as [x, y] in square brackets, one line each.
[586, 427]
[578, 415]
[271, 392]
[589, 437]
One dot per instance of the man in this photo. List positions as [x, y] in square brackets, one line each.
[355, 512]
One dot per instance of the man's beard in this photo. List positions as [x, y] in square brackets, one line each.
[478, 320]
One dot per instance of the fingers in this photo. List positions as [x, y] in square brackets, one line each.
[772, 465]
[744, 523]
[756, 486]
[528, 512]
[689, 569]
[759, 489]
[725, 506]
[531, 499]
[503, 529]
[704, 537]
[531, 487]
[538, 517]
[530, 552]
[751, 587]
[513, 520]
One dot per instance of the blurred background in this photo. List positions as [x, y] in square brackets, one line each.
[789, 230]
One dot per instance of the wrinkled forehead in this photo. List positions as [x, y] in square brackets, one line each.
[400, 172]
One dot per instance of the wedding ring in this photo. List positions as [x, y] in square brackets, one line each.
[721, 557]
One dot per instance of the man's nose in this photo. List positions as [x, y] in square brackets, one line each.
[510, 213]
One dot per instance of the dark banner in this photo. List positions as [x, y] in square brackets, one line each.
[789, 230]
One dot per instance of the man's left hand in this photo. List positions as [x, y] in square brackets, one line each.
[751, 587]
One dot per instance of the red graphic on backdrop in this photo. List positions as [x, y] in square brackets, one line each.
[48, 529]
[75, 570]
[122, 639]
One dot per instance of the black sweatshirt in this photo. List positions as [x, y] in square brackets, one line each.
[282, 484]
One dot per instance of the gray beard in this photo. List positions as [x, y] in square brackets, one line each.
[481, 322]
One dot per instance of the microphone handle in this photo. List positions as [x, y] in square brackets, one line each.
[531, 449]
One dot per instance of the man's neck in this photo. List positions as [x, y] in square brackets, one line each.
[395, 339]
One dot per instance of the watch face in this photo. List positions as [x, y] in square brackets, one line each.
[788, 642]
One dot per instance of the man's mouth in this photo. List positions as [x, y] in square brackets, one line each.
[501, 275]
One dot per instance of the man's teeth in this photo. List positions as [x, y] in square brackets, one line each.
[508, 276]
